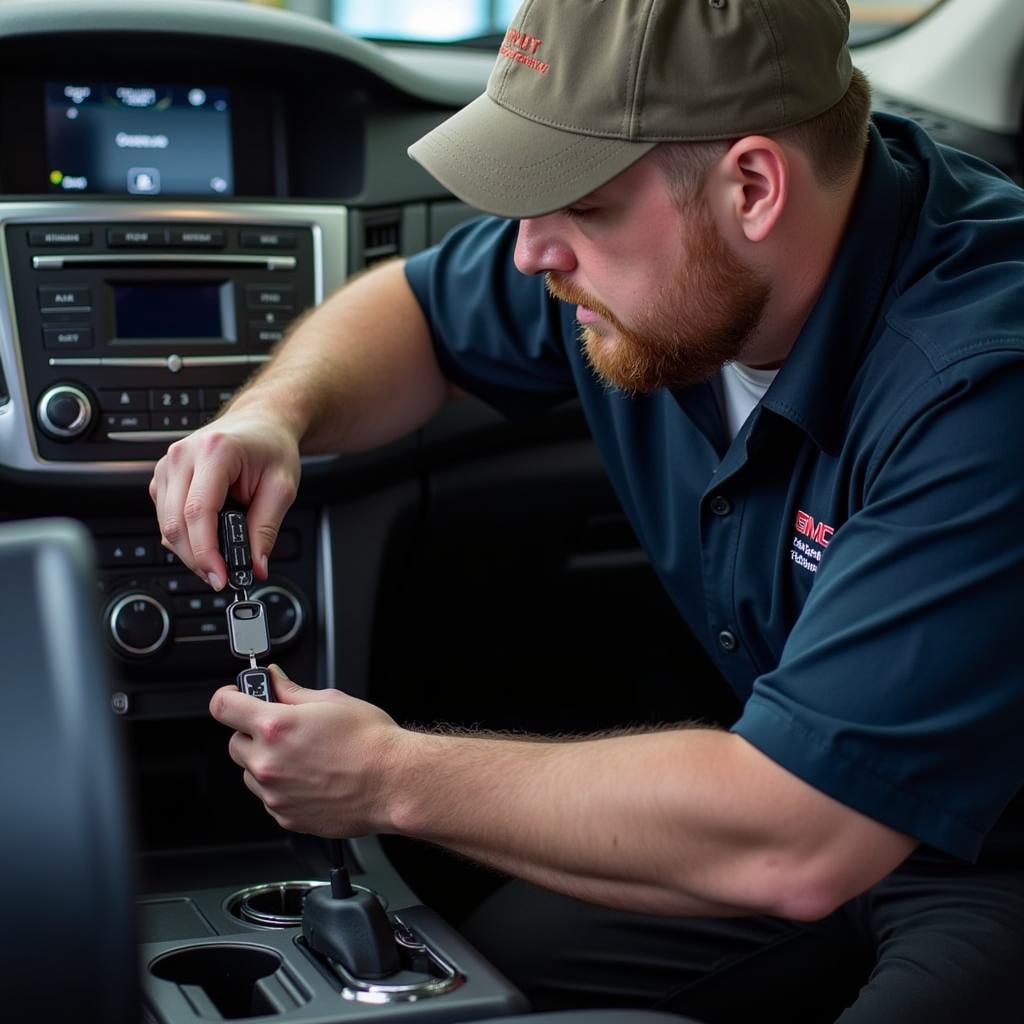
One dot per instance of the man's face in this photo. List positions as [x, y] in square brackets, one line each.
[661, 299]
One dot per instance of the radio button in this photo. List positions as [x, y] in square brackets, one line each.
[129, 551]
[174, 400]
[214, 398]
[202, 627]
[260, 335]
[175, 420]
[125, 421]
[269, 296]
[207, 238]
[60, 237]
[67, 337]
[184, 583]
[280, 317]
[267, 239]
[137, 237]
[123, 400]
[52, 298]
[201, 604]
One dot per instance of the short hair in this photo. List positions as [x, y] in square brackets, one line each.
[834, 141]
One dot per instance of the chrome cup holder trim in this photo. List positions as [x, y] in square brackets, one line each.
[360, 990]
[240, 904]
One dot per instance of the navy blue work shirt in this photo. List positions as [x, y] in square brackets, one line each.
[853, 560]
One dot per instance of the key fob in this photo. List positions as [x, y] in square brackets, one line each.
[247, 628]
[248, 633]
[256, 683]
[234, 546]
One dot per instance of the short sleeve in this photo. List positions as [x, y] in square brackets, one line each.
[900, 690]
[497, 333]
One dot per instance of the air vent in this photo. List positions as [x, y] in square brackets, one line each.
[382, 237]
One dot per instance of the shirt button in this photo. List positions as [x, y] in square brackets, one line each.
[727, 640]
[720, 505]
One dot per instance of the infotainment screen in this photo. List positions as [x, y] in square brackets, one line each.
[183, 310]
[137, 139]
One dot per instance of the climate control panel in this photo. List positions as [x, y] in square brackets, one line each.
[140, 623]
[167, 630]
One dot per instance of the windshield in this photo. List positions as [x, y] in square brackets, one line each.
[476, 20]
[445, 21]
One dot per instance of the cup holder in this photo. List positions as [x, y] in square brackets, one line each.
[228, 982]
[275, 904]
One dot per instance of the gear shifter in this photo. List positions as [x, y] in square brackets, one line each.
[349, 925]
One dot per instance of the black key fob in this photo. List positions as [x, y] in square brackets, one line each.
[248, 633]
[256, 683]
[234, 546]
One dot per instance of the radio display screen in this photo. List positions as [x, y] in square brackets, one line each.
[145, 140]
[182, 310]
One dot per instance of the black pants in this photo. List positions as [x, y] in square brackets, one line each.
[933, 943]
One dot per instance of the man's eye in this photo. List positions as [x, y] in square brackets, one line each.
[579, 212]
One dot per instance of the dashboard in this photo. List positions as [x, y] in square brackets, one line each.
[178, 184]
[161, 228]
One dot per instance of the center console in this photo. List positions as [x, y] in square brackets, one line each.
[158, 235]
[230, 953]
[239, 950]
[127, 326]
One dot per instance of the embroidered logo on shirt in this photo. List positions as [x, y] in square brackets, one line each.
[522, 48]
[807, 553]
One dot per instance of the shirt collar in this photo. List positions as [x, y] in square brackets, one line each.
[811, 387]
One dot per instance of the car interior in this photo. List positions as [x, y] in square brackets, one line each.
[178, 183]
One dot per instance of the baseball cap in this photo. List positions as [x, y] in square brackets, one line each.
[583, 88]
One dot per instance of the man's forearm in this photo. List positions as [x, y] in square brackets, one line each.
[682, 822]
[622, 894]
[534, 810]
[357, 372]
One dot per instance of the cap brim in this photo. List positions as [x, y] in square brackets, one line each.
[505, 164]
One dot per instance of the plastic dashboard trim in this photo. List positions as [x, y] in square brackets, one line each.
[329, 226]
[237, 21]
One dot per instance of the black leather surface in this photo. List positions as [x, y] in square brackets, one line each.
[68, 917]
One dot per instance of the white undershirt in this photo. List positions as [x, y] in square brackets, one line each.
[740, 388]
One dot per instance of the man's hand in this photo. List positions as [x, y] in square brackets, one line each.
[679, 821]
[246, 453]
[317, 758]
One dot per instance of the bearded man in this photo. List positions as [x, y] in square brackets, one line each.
[796, 335]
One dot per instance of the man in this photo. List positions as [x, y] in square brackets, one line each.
[798, 344]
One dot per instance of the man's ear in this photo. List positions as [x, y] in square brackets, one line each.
[755, 174]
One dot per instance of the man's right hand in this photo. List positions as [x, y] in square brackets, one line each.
[246, 454]
[357, 372]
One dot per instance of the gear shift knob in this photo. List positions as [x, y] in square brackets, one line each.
[351, 930]
[350, 927]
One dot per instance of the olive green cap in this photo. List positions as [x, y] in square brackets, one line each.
[583, 88]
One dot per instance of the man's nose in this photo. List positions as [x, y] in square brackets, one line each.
[539, 248]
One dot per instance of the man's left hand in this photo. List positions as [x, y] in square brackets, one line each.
[317, 758]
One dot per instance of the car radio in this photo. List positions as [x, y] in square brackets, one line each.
[134, 333]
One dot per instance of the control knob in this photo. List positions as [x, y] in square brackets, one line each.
[139, 624]
[285, 616]
[64, 411]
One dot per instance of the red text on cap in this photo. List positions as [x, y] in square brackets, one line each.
[522, 41]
